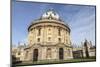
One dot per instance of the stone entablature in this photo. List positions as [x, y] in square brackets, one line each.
[54, 23]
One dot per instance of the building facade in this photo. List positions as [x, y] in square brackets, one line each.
[86, 50]
[48, 39]
[18, 52]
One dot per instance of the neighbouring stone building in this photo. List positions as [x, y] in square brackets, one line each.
[85, 50]
[18, 52]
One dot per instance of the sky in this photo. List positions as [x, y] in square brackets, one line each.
[81, 19]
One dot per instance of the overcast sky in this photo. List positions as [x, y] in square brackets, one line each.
[81, 19]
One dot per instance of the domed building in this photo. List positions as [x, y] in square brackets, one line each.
[48, 39]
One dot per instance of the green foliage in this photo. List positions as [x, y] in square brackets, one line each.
[57, 61]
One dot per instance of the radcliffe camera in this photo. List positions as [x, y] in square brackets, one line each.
[51, 33]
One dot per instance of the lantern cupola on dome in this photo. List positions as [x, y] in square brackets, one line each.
[50, 14]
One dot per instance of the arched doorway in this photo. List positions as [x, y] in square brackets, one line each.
[61, 53]
[35, 55]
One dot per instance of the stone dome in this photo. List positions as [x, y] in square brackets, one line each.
[50, 16]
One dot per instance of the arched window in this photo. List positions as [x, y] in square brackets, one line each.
[59, 31]
[49, 30]
[48, 53]
[59, 39]
[49, 38]
[39, 31]
[38, 39]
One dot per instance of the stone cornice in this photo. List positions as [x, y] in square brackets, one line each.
[49, 21]
[49, 45]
